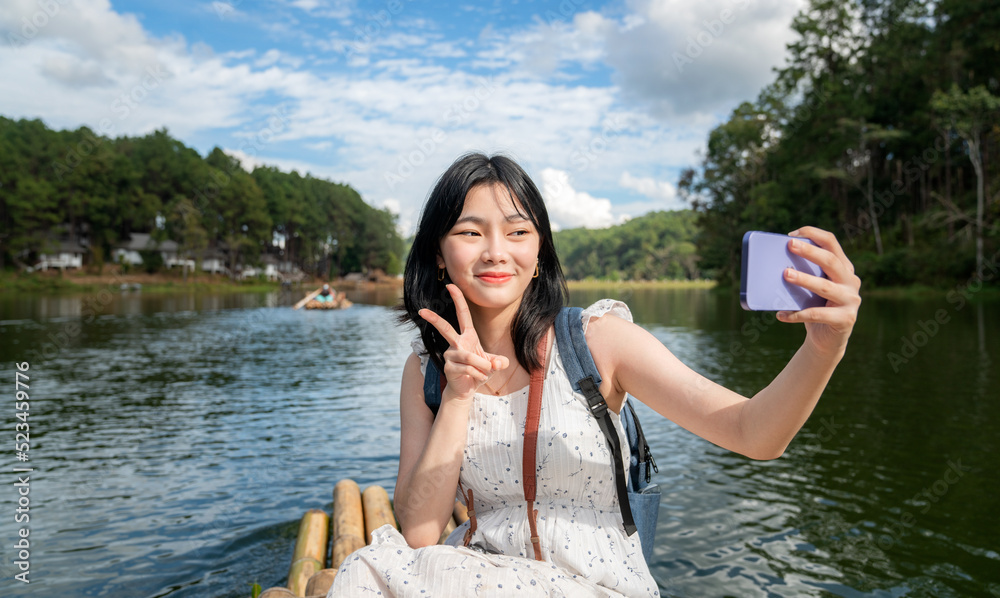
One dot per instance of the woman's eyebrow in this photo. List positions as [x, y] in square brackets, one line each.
[482, 221]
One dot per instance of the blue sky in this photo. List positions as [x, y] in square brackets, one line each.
[602, 102]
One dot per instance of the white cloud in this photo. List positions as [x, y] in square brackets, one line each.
[273, 57]
[226, 10]
[545, 47]
[247, 162]
[650, 187]
[676, 58]
[391, 204]
[684, 57]
[569, 208]
[73, 72]
[320, 146]
[334, 9]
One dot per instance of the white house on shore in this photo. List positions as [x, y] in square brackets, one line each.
[172, 257]
[62, 255]
[64, 246]
[128, 252]
[214, 261]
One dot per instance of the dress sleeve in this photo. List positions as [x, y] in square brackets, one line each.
[606, 306]
[417, 344]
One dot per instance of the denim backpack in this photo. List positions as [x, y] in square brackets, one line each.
[640, 509]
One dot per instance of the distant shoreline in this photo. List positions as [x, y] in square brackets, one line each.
[52, 283]
[596, 283]
[84, 282]
[69, 283]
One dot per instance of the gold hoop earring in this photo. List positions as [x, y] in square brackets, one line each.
[441, 274]
[536, 270]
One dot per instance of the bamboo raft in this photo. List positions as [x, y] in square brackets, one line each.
[356, 515]
[340, 301]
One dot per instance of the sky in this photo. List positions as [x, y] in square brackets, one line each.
[602, 103]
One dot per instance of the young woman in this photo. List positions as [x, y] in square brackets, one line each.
[484, 285]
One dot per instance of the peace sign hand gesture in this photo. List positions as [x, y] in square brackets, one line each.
[466, 365]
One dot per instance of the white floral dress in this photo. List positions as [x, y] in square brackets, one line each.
[585, 550]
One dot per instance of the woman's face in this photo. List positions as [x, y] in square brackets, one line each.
[491, 252]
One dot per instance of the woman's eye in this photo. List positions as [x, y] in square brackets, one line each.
[519, 233]
[469, 233]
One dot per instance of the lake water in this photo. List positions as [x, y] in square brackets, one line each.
[176, 440]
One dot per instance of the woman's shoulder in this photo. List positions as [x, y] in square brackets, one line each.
[603, 307]
[417, 344]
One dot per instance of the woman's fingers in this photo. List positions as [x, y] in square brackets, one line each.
[441, 325]
[499, 362]
[461, 358]
[824, 287]
[465, 325]
[453, 370]
[827, 327]
[829, 255]
[461, 309]
[837, 318]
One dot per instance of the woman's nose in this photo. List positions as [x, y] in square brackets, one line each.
[495, 250]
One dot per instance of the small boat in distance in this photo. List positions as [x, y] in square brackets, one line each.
[324, 298]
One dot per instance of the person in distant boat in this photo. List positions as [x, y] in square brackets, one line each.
[327, 294]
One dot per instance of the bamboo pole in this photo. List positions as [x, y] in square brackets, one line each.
[309, 555]
[348, 521]
[461, 513]
[308, 298]
[319, 584]
[378, 510]
[447, 530]
[300, 572]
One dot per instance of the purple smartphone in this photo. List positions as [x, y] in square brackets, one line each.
[762, 282]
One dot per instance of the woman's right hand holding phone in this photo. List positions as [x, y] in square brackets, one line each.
[466, 365]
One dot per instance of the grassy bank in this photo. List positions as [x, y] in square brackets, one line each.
[583, 285]
[56, 283]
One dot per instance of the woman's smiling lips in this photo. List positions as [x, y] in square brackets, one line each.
[494, 277]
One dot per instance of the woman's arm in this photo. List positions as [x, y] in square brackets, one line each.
[432, 448]
[430, 457]
[632, 360]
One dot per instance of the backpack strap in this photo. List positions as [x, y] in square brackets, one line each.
[582, 371]
[434, 384]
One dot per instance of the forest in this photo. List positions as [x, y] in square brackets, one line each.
[655, 246]
[88, 186]
[882, 128]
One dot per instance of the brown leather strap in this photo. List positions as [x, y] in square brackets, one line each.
[531, 443]
[470, 504]
[536, 542]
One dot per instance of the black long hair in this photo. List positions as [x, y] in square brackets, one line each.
[544, 296]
